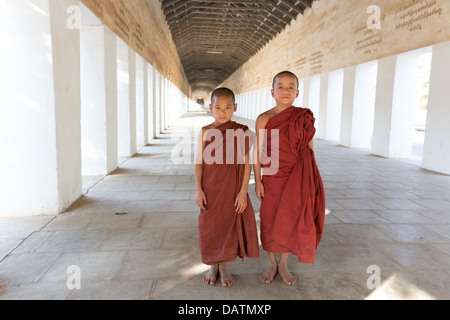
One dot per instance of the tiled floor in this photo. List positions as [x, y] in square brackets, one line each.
[134, 235]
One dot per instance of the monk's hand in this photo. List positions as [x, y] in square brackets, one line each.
[259, 188]
[201, 200]
[241, 202]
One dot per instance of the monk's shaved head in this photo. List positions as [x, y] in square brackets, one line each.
[285, 73]
[223, 92]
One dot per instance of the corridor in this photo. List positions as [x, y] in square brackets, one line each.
[133, 234]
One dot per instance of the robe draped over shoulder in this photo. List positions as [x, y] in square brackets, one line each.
[224, 234]
[293, 209]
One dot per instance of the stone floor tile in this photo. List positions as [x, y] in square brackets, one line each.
[112, 290]
[359, 216]
[133, 239]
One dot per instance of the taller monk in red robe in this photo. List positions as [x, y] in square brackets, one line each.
[293, 199]
[227, 225]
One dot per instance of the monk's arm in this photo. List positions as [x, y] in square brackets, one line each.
[247, 173]
[201, 197]
[311, 145]
[260, 132]
[198, 177]
[199, 161]
[241, 199]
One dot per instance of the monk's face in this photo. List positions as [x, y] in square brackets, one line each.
[223, 109]
[286, 90]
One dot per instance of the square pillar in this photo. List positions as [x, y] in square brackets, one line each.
[299, 101]
[141, 102]
[436, 154]
[158, 102]
[305, 96]
[364, 105]
[323, 100]
[348, 94]
[151, 103]
[126, 92]
[383, 106]
[334, 105]
[98, 97]
[163, 103]
[314, 98]
[405, 89]
[40, 130]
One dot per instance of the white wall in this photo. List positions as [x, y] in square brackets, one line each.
[40, 132]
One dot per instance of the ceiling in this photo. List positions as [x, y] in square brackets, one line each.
[214, 38]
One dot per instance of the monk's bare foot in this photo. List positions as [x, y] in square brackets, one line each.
[288, 277]
[211, 277]
[227, 279]
[268, 275]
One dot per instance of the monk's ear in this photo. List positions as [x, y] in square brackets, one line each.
[211, 107]
[273, 93]
[235, 107]
[298, 93]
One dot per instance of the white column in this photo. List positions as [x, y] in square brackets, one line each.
[240, 105]
[323, 100]
[314, 97]
[364, 105]
[98, 96]
[263, 102]
[270, 100]
[163, 103]
[405, 92]
[299, 101]
[66, 66]
[126, 86]
[383, 106]
[141, 102]
[436, 155]
[151, 103]
[40, 133]
[158, 99]
[334, 105]
[305, 97]
[112, 160]
[348, 93]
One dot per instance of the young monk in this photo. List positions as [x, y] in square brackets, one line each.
[227, 226]
[293, 202]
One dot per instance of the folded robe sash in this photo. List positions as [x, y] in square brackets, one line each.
[224, 234]
[293, 209]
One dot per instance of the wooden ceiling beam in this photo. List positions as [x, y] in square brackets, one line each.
[236, 28]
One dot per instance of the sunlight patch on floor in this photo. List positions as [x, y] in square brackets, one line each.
[397, 288]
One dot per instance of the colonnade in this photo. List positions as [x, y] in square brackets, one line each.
[75, 99]
[371, 106]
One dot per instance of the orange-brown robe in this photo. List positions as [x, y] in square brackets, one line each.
[224, 234]
[293, 209]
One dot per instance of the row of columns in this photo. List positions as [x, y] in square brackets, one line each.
[371, 106]
[74, 100]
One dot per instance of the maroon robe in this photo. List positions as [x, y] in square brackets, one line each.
[293, 209]
[224, 234]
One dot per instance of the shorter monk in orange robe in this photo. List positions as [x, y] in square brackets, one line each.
[292, 211]
[227, 225]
